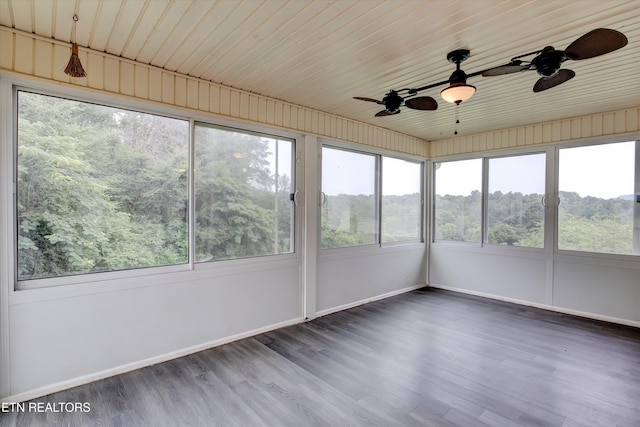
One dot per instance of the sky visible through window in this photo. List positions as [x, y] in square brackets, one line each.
[340, 180]
[591, 171]
[579, 172]
[462, 177]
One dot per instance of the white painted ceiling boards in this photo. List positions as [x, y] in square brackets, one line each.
[320, 54]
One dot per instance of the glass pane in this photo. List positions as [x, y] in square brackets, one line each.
[243, 188]
[515, 214]
[458, 200]
[349, 206]
[596, 185]
[401, 200]
[99, 188]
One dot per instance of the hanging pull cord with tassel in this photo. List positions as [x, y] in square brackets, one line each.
[457, 119]
[74, 67]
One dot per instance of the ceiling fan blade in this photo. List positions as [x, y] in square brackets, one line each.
[595, 43]
[548, 82]
[422, 103]
[386, 113]
[505, 69]
[361, 98]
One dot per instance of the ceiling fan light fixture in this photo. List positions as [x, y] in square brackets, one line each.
[457, 93]
[458, 90]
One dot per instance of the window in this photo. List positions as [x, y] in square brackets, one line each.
[349, 214]
[243, 194]
[369, 199]
[515, 211]
[98, 188]
[401, 200]
[458, 200]
[596, 198]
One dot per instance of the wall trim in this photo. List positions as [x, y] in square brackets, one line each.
[612, 123]
[96, 376]
[557, 309]
[368, 300]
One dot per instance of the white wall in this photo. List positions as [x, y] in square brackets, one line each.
[598, 286]
[61, 335]
[590, 286]
[509, 274]
[345, 277]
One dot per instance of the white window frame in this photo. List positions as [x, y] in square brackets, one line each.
[551, 199]
[433, 206]
[379, 153]
[423, 198]
[295, 220]
[485, 197]
[636, 206]
[65, 286]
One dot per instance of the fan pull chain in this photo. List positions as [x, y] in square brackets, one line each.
[457, 120]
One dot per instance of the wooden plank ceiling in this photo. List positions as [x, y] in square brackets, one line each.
[320, 54]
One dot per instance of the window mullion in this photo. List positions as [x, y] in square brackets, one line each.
[636, 203]
[484, 227]
[192, 196]
[378, 199]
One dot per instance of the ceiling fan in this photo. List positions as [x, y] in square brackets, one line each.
[457, 92]
[392, 102]
[547, 63]
[549, 60]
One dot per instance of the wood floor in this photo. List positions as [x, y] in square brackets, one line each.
[425, 358]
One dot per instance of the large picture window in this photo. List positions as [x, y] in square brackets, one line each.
[596, 198]
[243, 194]
[98, 188]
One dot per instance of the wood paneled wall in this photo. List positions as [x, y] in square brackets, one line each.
[597, 125]
[36, 56]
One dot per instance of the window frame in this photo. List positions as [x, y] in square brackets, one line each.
[294, 183]
[551, 194]
[145, 276]
[379, 154]
[98, 276]
[486, 171]
[572, 253]
[421, 231]
[432, 221]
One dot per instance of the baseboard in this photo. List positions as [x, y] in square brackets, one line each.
[563, 310]
[368, 300]
[86, 379]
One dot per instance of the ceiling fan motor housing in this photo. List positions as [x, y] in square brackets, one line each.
[458, 77]
[548, 62]
[392, 101]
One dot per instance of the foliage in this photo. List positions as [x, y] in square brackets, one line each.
[584, 223]
[594, 224]
[458, 217]
[239, 210]
[349, 220]
[103, 189]
[86, 199]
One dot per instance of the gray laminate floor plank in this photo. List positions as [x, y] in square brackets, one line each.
[424, 358]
